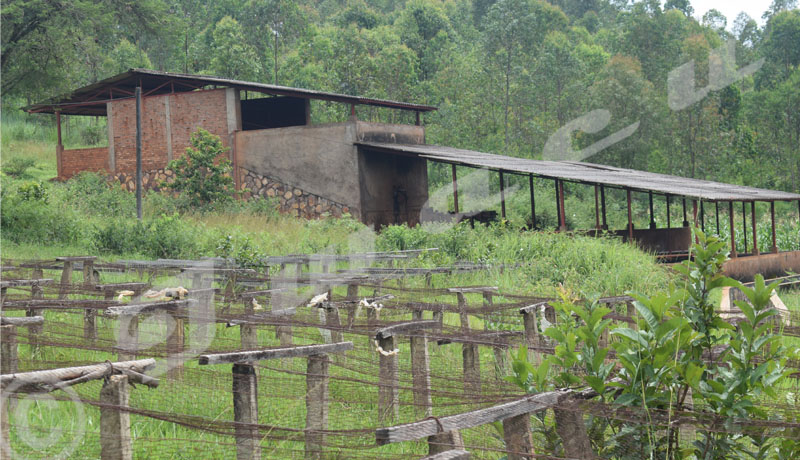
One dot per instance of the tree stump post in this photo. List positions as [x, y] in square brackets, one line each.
[443, 442]
[175, 347]
[128, 337]
[89, 314]
[518, 437]
[248, 333]
[115, 423]
[352, 295]
[316, 405]
[388, 390]
[472, 368]
[462, 312]
[531, 334]
[333, 323]
[37, 293]
[572, 431]
[245, 412]
[420, 371]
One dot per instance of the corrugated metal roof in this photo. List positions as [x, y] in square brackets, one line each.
[588, 173]
[90, 100]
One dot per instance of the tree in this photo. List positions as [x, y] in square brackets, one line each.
[202, 176]
[273, 23]
[233, 57]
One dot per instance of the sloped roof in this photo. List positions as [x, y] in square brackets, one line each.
[587, 173]
[90, 100]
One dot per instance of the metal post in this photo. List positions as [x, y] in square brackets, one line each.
[558, 205]
[502, 196]
[596, 207]
[669, 218]
[702, 217]
[753, 222]
[744, 226]
[630, 218]
[685, 220]
[455, 189]
[733, 231]
[603, 206]
[139, 152]
[716, 212]
[652, 216]
[772, 217]
[59, 145]
[533, 202]
[561, 206]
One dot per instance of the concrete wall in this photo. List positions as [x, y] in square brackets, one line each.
[769, 265]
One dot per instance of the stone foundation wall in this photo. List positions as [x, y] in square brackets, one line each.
[292, 200]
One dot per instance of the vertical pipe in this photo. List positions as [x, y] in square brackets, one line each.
[744, 225]
[669, 218]
[455, 189]
[139, 152]
[753, 223]
[596, 207]
[733, 231]
[652, 216]
[502, 196]
[694, 220]
[59, 145]
[533, 202]
[685, 220]
[561, 206]
[603, 206]
[716, 212]
[630, 218]
[772, 217]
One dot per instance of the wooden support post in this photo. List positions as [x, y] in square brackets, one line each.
[603, 206]
[245, 412]
[175, 346]
[438, 316]
[418, 121]
[472, 368]
[531, 334]
[518, 437]
[597, 207]
[702, 216]
[716, 214]
[388, 390]
[733, 230]
[59, 146]
[572, 431]
[753, 222]
[248, 333]
[333, 323]
[772, 218]
[115, 422]
[669, 217]
[630, 218]
[352, 295]
[558, 205]
[420, 371]
[138, 94]
[652, 214]
[283, 331]
[36, 293]
[66, 280]
[455, 189]
[89, 314]
[502, 196]
[533, 202]
[462, 312]
[128, 337]
[8, 349]
[316, 405]
[443, 442]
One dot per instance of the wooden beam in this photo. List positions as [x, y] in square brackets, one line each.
[669, 217]
[409, 326]
[562, 212]
[146, 308]
[29, 282]
[597, 207]
[53, 379]
[24, 321]
[452, 454]
[274, 353]
[652, 214]
[425, 428]
[473, 289]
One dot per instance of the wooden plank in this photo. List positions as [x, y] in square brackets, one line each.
[262, 318]
[115, 423]
[76, 259]
[473, 289]
[534, 308]
[453, 454]
[52, 379]
[27, 282]
[425, 428]
[22, 321]
[145, 308]
[409, 326]
[273, 353]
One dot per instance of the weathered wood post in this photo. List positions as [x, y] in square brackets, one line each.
[332, 321]
[518, 437]
[388, 390]
[572, 430]
[128, 339]
[248, 332]
[316, 405]
[472, 368]
[175, 347]
[352, 296]
[245, 400]
[8, 349]
[532, 340]
[115, 422]
[245, 412]
[66, 278]
[420, 373]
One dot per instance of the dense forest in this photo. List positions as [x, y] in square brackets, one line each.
[505, 74]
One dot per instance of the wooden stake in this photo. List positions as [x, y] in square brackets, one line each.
[420, 372]
[772, 217]
[733, 230]
[443, 442]
[572, 431]
[388, 391]
[128, 338]
[472, 368]
[8, 349]
[175, 346]
[66, 279]
[518, 437]
[455, 189]
[316, 405]
[115, 423]
[755, 234]
[245, 412]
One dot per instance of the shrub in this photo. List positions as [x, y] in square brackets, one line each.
[34, 221]
[33, 191]
[162, 237]
[93, 195]
[203, 174]
[18, 166]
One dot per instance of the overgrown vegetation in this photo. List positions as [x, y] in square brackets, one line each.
[203, 175]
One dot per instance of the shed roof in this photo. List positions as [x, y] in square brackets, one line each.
[587, 173]
[90, 100]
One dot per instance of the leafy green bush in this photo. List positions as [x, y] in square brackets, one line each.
[35, 221]
[162, 237]
[90, 193]
[33, 191]
[203, 174]
[18, 166]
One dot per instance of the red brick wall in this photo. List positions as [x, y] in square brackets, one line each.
[188, 111]
[76, 160]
